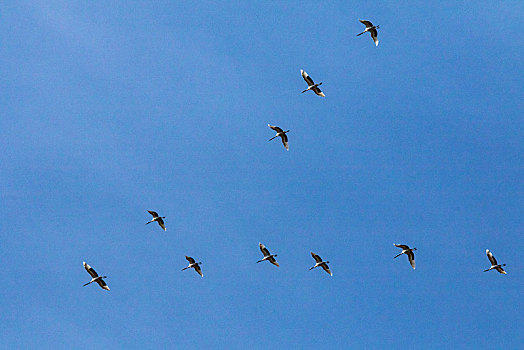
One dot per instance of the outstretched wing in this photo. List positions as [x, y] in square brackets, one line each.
[366, 23]
[374, 35]
[161, 223]
[190, 259]
[491, 257]
[273, 261]
[316, 257]
[276, 128]
[102, 284]
[263, 249]
[501, 270]
[154, 213]
[403, 246]
[318, 91]
[90, 270]
[199, 271]
[307, 78]
[284, 141]
[411, 258]
[326, 268]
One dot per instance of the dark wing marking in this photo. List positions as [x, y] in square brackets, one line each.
[90, 270]
[284, 141]
[501, 270]
[491, 257]
[276, 128]
[190, 259]
[326, 268]
[318, 91]
[366, 23]
[154, 213]
[411, 258]
[273, 261]
[102, 284]
[403, 246]
[264, 249]
[307, 78]
[316, 257]
[198, 270]
[374, 35]
[161, 223]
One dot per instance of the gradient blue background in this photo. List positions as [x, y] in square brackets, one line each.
[112, 108]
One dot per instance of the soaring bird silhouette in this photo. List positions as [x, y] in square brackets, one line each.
[494, 264]
[370, 28]
[280, 133]
[408, 251]
[194, 265]
[311, 84]
[319, 261]
[267, 255]
[157, 218]
[95, 277]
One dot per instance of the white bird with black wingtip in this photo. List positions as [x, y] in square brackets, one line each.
[280, 133]
[95, 277]
[494, 264]
[157, 218]
[311, 84]
[267, 255]
[193, 265]
[319, 262]
[408, 251]
[372, 29]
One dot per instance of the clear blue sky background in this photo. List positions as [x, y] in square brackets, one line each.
[111, 108]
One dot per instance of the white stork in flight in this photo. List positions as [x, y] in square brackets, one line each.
[494, 264]
[194, 265]
[95, 277]
[267, 255]
[311, 84]
[370, 28]
[157, 218]
[319, 261]
[408, 251]
[280, 133]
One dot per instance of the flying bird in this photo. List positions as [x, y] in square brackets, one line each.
[370, 28]
[494, 264]
[408, 251]
[311, 84]
[95, 277]
[319, 261]
[267, 256]
[194, 265]
[280, 133]
[157, 218]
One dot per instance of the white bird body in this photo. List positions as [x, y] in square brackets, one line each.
[494, 264]
[267, 256]
[280, 133]
[371, 29]
[408, 251]
[95, 277]
[311, 84]
[193, 265]
[319, 262]
[157, 218]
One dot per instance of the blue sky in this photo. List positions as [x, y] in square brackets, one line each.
[112, 109]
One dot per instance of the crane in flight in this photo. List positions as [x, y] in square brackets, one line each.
[194, 265]
[311, 84]
[282, 135]
[95, 277]
[319, 262]
[267, 255]
[408, 251]
[157, 218]
[371, 29]
[494, 264]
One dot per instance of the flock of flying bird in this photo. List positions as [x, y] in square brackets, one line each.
[372, 29]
